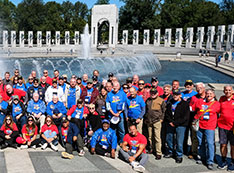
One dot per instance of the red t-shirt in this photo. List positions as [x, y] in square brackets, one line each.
[29, 134]
[73, 108]
[7, 130]
[135, 141]
[209, 119]
[64, 132]
[48, 80]
[160, 91]
[226, 119]
[52, 128]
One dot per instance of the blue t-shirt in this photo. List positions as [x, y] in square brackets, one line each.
[84, 83]
[28, 85]
[3, 105]
[22, 87]
[117, 101]
[173, 106]
[89, 94]
[187, 96]
[16, 109]
[71, 97]
[135, 106]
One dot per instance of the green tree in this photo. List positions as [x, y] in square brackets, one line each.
[227, 10]
[99, 2]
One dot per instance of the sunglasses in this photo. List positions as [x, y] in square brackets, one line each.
[8, 119]
[89, 83]
[48, 121]
[30, 120]
[125, 87]
[30, 79]
[45, 72]
[141, 84]
[91, 108]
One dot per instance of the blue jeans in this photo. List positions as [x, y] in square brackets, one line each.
[179, 131]
[20, 122]
[120, 129]
[208, 136]
[2, 117]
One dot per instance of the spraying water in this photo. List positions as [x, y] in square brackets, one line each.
[85, 39]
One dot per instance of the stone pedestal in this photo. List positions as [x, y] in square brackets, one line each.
[157, 37]
[230, 37]
[167, 38]
[21, 38]
[76, 38]
[103, 13]
[5, 38]
[220, 37]
[135, 38]
[125, 37]
[146, 37]
[178, 37]
[210, 37]
[57, 37]
[67, 37]
[189, 37]
[200, 37]
[13, 38]
[30, 38]
[48, 38]
[39, 38]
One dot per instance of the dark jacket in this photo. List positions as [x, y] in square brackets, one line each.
[94, 121]
[94, 95]
[72, 131]
[41, 92]
[168, 99]
[181, 115]
[155, 110]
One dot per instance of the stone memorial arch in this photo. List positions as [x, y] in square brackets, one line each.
[109, 15]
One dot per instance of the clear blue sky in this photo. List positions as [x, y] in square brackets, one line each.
[90, 3]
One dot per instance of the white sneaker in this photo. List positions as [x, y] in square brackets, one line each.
[139, 168]
[134, 163]
[34, 146]
[44, 146]
[55, 148]
[23, 146]
[81, 153]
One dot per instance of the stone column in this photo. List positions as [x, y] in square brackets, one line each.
[39, 38]
[57, 38]
[189, 37]
[67, 37]
[230, 37]
[146, 37]
[21, 38]
[76, 38]
[200, 37]
[135, 39]
[13, 38]
[48, 38]
[167, 38]
[30, 38]
[125, 37]
[5, 38]
[157, 37]
[178, 37]
[210, 37]
[220, 37]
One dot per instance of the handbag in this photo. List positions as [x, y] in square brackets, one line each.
[195, 123]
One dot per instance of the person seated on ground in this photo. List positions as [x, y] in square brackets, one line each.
[3, 110]
[133, 149]
[94, 120]
[37, 109]
[104, 140]
[17, 110]
[56, 110]
[69, 133]
[49, 134]
[29, 134]
[8, 133]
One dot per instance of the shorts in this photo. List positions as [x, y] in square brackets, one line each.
[225, 136]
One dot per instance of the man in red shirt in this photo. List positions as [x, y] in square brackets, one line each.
[48, 79]
[226, 126]
[9, 92]
[133, 149]
[154, 82]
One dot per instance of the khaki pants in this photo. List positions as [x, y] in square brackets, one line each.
[155, 129]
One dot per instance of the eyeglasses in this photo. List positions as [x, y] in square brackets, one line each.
[30, 79]
[141, 84]
[91, 108]
[16, 72]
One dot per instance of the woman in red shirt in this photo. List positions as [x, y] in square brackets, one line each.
[207, 111]
[29, 132]
[49, 134]
[8, 133]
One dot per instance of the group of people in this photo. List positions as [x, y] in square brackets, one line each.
[100, 114]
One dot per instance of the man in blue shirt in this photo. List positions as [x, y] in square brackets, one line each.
[115, 104]
[72, 93]
[57, 110]
[104, 140]
[3, 110]
[189, 92]
[135, 109]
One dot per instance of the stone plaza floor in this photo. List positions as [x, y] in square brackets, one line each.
[47, 161]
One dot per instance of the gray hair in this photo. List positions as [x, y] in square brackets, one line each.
[167, 86]
[200, 83]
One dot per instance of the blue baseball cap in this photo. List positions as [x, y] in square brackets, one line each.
[105, 121]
